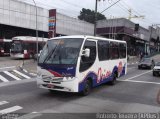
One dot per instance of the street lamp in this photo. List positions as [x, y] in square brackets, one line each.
[36, 28]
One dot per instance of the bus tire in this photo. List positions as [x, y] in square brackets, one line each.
[51, 91]
[87, 87]
[154, 74]
[113, 82]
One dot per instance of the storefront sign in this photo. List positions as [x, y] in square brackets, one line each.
[52, 23]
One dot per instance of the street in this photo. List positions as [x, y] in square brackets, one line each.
[136, 92]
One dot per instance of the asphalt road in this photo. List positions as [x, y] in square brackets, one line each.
[134, 93]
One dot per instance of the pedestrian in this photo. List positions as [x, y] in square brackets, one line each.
[141, 56]
[158, 97]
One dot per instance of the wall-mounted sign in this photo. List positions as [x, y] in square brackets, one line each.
[52, 23]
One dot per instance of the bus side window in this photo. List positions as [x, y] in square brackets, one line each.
[87, 62]
[122, 50]
[103, 50]
[114, 50]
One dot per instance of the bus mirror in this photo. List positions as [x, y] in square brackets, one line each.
[86, 52]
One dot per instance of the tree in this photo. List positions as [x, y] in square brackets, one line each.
[89, 15]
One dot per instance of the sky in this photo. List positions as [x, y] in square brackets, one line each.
[148, 8]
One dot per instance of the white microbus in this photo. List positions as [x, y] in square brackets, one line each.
[79, 63]
[26, 46]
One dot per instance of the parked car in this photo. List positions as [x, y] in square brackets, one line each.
[146, 63]
[156, 69]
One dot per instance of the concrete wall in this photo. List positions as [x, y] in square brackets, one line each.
[20, 14]
[70, 26]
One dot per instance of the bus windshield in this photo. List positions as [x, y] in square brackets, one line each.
[1, 45]
[16, 46]
[61, 51]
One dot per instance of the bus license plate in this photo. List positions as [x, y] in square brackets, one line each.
[50, 86]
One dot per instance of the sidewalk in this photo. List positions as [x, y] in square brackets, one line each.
[156, 57]
[133, 60]
[30, 66]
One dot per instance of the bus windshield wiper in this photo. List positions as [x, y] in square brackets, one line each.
[50, 54]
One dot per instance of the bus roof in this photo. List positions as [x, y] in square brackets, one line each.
[5, 40]
[89, 37]
[29, 38]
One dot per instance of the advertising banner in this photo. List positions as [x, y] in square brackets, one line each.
[52, 23]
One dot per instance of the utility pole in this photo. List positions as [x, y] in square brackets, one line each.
[130, 14]
[95, 23]
[150, 39]
[36, 28]
[95, 18]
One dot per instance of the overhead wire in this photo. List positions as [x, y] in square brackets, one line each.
[135, 11]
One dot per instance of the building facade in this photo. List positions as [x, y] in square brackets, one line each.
[19, 19]
[138, 38]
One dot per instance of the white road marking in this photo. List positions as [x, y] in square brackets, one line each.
[8, 67]
[34, 74]
[138, 75]
[30, 116]
[25, 70]
[34, 112]
[3, 102]
[3, 79]
[147, 82]
[131, 67]
[9, 110]
[11, 75]
[27, 77]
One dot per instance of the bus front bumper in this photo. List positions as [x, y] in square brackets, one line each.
[18, 55]
[63, 85]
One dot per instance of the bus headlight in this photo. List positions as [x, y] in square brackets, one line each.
[68, 78]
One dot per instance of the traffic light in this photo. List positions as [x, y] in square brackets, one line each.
[136, 28]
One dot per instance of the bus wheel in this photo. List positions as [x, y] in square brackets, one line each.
[87, 88]
[113, 82]
[51, 91]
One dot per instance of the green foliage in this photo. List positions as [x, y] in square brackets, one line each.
[89, 15]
